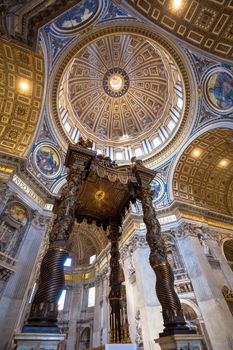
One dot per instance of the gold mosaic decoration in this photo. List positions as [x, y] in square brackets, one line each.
[205, 180]
[21, 93]
[208, 25]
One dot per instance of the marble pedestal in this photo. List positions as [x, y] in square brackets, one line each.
[39, 341]
[180, 342]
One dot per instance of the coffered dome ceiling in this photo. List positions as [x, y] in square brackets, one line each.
[123, 92]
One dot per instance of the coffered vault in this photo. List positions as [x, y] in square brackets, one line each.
[204, 173]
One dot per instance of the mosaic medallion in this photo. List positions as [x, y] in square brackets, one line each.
[219, 91]
[47, 160]
[116, 82]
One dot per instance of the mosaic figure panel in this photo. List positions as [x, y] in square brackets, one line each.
[220, 90]
[47, 160]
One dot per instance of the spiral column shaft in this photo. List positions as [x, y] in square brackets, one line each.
[173, 317]
[51, 283]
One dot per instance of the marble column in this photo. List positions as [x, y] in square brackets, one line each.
[104, 336]
[98, 310]
[217, 317]
[75, 307]
[14, 293]
[146, 303]
[101, 310]
[129, 273]
[214, 245]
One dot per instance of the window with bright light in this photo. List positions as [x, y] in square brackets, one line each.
[171, 125]
[61, 300]
[156, 142]
[67, 127]
[68, 262]
[180, 103]
[91, 297]
[138, 152]
[119, 155]
[92, 258]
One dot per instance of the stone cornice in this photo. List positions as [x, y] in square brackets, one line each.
[192, 212]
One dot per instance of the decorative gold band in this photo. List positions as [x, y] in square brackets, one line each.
[59, 249]
[160, 264]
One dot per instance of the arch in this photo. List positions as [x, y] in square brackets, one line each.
[193, 305]
[85, 339]
[221, 124]
[87, 240]
[203, 179]
[227, 248]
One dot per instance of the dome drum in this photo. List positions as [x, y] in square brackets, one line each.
[125, 92]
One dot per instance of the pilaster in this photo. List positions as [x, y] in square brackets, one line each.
[14, 293]
[216, 315]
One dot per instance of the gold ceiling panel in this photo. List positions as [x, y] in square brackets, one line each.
[21, 94]
[204, 173]
[205, 24]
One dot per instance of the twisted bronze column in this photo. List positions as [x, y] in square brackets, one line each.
[119, 332]
[173, 317]
[44, 309]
